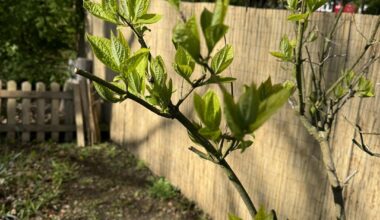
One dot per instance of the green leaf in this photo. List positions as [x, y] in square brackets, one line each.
[244, 145]
[120, 52]
[186, 35]
[138, 62]
[184, 65]
[97, 10]
[298, 17]
[108, 94]
[292, 4]
[339, 91]
[248, 106]
[233, 217]
[110, 5]
[208, 109]
[175, 3]
[313, 5]
[222, 59]
[365, 87]
[206, 19]
[160, 89]
[278, 55]
[271, 104]
[148, 19]
[213, 34]
[210, 134]
[233, 119]
[263, 215]
[136, 83]
[137, 8]
[220, 12]
[158, 71]
[103, 51]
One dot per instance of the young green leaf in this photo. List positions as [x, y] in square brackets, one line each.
[248, 106]
[210, 134]
[137, 8]
[263, 215]
[110, 5]
[186, 35]
[213, 34]
[222, 59]
[365, 87]
[233, 217]
[208, 109]
[99, 11]
[244, 145]
[271, 104]
[158, 71]
[292, 4]
[108, 94]
[220, 12]
[233, 117]
[103, 51]
[298, 17]
[136, 83]
[175, 3]
[120, 53]
[148, 19]
[138, 62]
[206, 19]
[184, 65]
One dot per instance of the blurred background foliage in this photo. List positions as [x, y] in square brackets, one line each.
[38, 37]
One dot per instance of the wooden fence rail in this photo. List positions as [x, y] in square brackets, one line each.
[29, 114]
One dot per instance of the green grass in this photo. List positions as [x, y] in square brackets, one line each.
[162, 189]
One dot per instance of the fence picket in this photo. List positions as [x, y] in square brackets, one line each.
[69, 112]
[40, 87]
[11, 110]
[78, 116]
[54, 87]
[25, 137]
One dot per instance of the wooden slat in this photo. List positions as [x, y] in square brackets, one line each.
[78, 116]
[69, 112]
[86, 109]
[54, 87]
[25, 136]
[40, 87]
[36, 128]
[35, 94]
[11, 110]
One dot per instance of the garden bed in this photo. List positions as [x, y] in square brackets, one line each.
[50, 181]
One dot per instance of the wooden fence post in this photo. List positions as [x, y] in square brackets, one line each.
[40, 87]
[78, 116]
[54, 87]
[25, 86]
[11, 110]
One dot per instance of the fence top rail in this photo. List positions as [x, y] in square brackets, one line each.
[36, 94]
